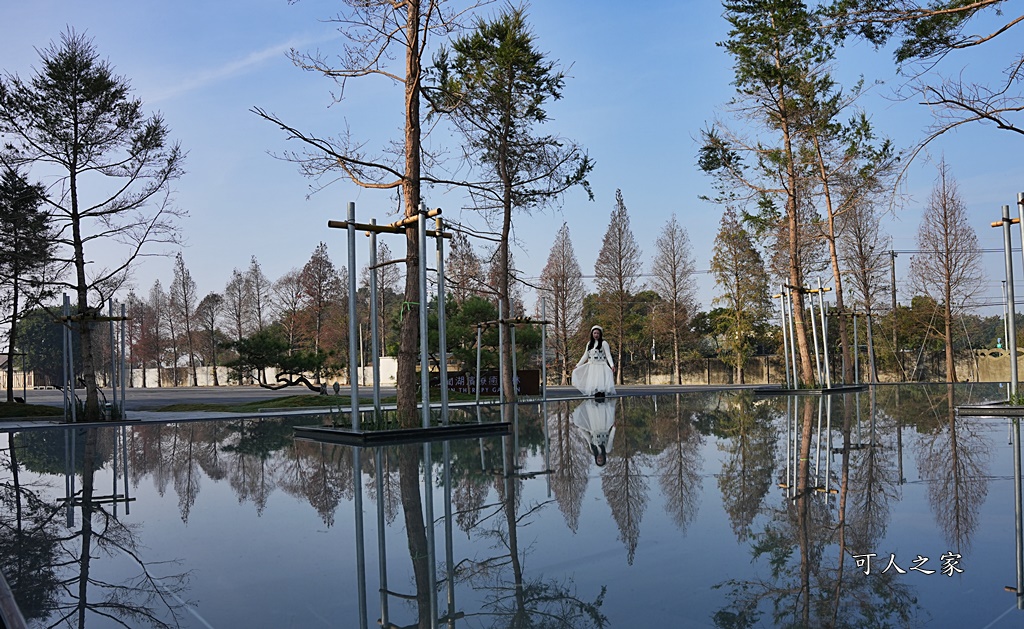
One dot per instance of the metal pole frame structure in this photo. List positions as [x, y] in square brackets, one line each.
[501, 352]
[353, 381]
[479, 330]
[70, 401]
[785, 337]
[399, 227]
[792, 337]
[374, 315]
[824, 333]
[544, 352]
[113, 359]
[1011, 323]
[814, 332]
[856, 352]
[442, 324]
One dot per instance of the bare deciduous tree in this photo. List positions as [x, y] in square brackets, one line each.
[672, 277]
[862, 246]
[948, 267]
[287, 300]
[561, 283]
[208, 314]
[185, 297]
[259, 293]
[617, 275]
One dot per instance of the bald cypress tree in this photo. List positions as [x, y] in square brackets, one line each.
[740, 274]
[617, 276]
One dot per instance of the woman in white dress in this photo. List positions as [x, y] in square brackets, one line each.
[595, 373]
[596, 418]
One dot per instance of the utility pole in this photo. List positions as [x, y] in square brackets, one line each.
[895, 346]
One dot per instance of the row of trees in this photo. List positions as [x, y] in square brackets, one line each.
[798, 160]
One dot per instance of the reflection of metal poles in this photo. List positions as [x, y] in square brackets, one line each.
[357, 475]
[428, 498]
[1019, 534]
[449, 555]
[382, 553]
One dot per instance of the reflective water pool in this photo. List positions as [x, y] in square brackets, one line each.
[880, 508]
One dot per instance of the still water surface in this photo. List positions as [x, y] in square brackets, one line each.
[700, 511]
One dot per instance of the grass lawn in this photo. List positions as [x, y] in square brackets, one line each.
[21, 411]
[301, 401]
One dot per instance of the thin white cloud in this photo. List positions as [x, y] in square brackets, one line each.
[203, 78]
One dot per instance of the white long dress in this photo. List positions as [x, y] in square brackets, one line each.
[597, 421]
[594, 371]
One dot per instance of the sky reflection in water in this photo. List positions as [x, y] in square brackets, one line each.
[695, 518]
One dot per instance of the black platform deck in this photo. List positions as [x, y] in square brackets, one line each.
[842, 388]
[401, 435]
[996, 409]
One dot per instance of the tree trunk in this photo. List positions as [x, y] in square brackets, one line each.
[12, 338]
[409, 333]
[950, 364]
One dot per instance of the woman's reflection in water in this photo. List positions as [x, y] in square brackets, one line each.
[596, 418]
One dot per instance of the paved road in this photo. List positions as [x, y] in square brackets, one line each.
[147, 399]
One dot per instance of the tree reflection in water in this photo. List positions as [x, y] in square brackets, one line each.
[66, 592]
[954, 460]
[813, 580]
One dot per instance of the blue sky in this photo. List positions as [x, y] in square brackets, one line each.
[643, 82]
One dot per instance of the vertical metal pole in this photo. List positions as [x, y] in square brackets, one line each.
[501, 351]
[382, 553]
[1006, 330]
[785, 341]
[856, 352]
[1011, 337]
[543, 349]
[123, 358]
[792, 337]
[479, 328]
[70, 344]
[442, 324]
[424, 354]
[814, 333]
[515, 369]
[353, 382]
[113, 358]
[895, 344]
[64, 330]
[374, 315]
[824, 335]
